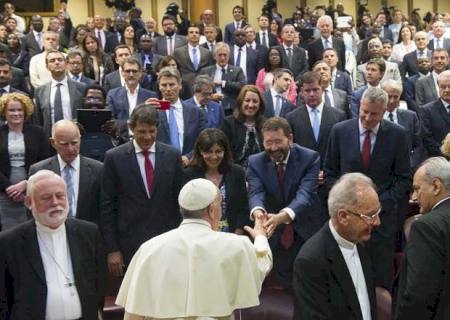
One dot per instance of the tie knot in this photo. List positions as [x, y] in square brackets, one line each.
[145, 153]
[68, 168]
[59, 84]
[224, 70]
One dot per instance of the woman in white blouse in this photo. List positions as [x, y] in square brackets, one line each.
[404, 45]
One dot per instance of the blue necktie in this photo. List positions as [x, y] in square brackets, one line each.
[278, 105]
[238, 60]
[67, 176]
[315, 123]
[194, 58]
[173, 129]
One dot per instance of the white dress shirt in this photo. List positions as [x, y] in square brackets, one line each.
[261, 33]
[243, 62]
[141, 161]
[394, 115]
[65, 99]
[330, 42]
[132, 98]
[170, 42]
[319, 108]
[350, 253]
[218, 77]
[191, 56]
[178, 111]
[75, 177]
[39, 37]
[63, 301]
[362, 136]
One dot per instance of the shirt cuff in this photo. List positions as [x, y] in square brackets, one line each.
[261, 244]
[223, 83]
[253, 210]
[290, 213]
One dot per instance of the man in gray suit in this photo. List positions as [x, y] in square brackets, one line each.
[427, 87]
[60, 98]
[82, 174]
[192, 57]
[375, 51]
[228, 80]
[166, 44]
[32, 42]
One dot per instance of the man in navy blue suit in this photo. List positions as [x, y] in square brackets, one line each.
[247, 60]
[274, 101]
[121, 101]
[238, 23]
[203, 89]
[180, 125]
[339, 79]
[282, 184]
[378, 149]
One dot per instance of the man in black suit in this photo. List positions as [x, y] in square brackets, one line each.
[296, 57]
[436, 117]
[261, 51]
[166, 44]
[316, 47]
[332, 271]
[75, 68]
[62, 259]
[264, 37]
[115, 79]
[207, 19]
[439, 41]
[99, 32]
[378, 149]
[408, 67]
[339, 79]
[238, 23]
[243, 56]
[82, 174]
[115, 37]
[423, 67]
[275, 104]
[424, 287]
[228, 80]
[6, 78]
[32, 42]
[140, 190]
[210, 33]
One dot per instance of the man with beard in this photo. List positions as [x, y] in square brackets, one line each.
[282, 186]
[52, 267]
[165, 45]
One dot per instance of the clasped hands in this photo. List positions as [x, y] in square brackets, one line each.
[268, 222]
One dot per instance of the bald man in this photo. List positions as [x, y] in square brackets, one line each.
[82, 174]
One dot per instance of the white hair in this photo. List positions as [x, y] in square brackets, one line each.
[391, 83]
[38, 176]
[324, 18]
[437, 168]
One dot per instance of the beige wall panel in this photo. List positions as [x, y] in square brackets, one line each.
[146, 7]
[101, 9]
[349, 7]
[287, 7]
[374, 6]
[443, 6]
[254, 11]
[400, 4]
[224, 12]
[78, 11]
[424, 5]
[161, 9]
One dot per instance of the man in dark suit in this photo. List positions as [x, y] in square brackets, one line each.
[264, 37]
[115, 37]
[140, 190]
[238, 23]
[423, 68]
[192, 57]
[424, 287]
[203, 90]
[181, 124]
[115, 79]
[275, 104]
[385, 32]
[75, 68]
[149, 29]
[61, 258]
[261, 51]
[122, 100]
[60, 98]
[244, 57]
[167, 43]
[99, 32]
[228, 80]
[426, 87]
[435, 117]
[332, 271]
[439, 41]
[207, 20]
[6, 78]
[32, 42]
[316, 47]
[282, 186]
[378, 149]
[210, 34]
[85, 173]
[339, 79]
[148, 59]
[296, 57]
[408, 66]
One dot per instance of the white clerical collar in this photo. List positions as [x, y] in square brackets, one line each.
[439, 202]
[44, 229]
[344, 243]
[196, 221]
[138, 148]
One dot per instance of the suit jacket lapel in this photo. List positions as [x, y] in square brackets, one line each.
[379, 142]
[444, 114]
[272, 176]
[54, 165]
[76, 252]
[125, 103]
[432, 85]
[307, 122]
[71, 87]
[134, 167]
[159, 164]
[31, 248]
[326, 119]
[367, 270]
[353, 140]
[84, 182]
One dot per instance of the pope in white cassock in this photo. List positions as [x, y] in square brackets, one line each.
[195, 272]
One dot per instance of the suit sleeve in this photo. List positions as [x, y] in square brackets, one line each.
[432, 146]
[354, 104]
[242, 208]
[360, 78]
[423, 279]
[256, 190]
[38, 117]
[331, 165]
[110, 104]
[409, 96]
[235, 86]
[420, 95]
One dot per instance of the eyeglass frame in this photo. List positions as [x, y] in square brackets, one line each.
[366, 218]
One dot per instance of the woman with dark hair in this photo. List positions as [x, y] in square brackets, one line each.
[405, 44]
[97, 64]
[275, 29]
[3, 33]
[170, 61]
[129, 38]
[21, 145]
[19, 58]
[243, 127]
[80, 32]
[274, 60]
[212, 160]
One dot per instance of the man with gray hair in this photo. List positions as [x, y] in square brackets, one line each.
[61, 259]
[332, 275]
[378, 149]
[203, 88]
[424, 287]
[195, 271]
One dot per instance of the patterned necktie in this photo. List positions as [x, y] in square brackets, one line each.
[224, 74]
[194, 58]
[173, 129]
[57, 104]
[315, 123]
[148, 170]
[365, 153]
[67, 176]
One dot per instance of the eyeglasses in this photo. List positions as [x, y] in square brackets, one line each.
[368, 218]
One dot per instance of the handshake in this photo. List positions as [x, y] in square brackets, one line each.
[266, 223]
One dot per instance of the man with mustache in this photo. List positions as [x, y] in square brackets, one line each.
[51, 267]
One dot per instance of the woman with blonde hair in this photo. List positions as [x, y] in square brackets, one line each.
[445, 147]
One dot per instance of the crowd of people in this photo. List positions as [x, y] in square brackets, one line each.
[147, 156]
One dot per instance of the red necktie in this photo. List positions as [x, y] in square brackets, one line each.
[148, 170]
[287, 236]
[365, 153]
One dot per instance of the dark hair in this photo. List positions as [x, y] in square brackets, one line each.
[131, 60]
[5, 62]
[144, 113]
[379, 62]
[400, 33]
[164, 62]
[205, 141]
[99, 51]
[386, 41]
[259, 117]
[310, 77]
[238, 7]
[169, 17]
[95, 87]
[121, 46]
[276, 123]
[78, 28]
[330, 49]
[73, 54]
[267, 66]
[53, 51]
[280, 71]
